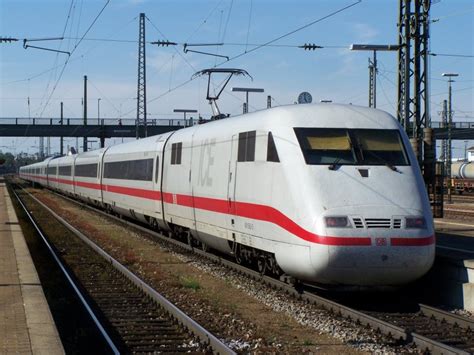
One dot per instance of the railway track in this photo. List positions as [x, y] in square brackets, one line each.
[431, 330]
[459, 212]
[469, 198]
[131, 316]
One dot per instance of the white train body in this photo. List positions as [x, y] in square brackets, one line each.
[309, 184]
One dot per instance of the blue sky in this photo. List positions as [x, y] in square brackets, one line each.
[333, 72]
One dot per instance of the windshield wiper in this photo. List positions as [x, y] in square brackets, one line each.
[334, 164]
[392, 167]
[386, 163]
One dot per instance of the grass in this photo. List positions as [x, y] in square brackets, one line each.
[190, 282]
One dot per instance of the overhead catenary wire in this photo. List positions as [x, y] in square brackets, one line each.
[457, 13]
[227, 20]
[178, 52]
[57, 54]
[205, 20]
[331, 14]
[103, 95]
[248, 26]
[113, 33]
[452, 55]
[187, 43]
[72, 51]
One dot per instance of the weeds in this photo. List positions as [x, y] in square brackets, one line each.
[190, 282]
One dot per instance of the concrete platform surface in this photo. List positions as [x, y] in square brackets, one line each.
[26, 324]
[454, 266]
[455, 238]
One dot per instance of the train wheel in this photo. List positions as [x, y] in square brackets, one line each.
[204, 247]
[238, 255]
[189, 239]
[261, 265]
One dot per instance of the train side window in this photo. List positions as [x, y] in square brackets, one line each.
[65, 170]
[272, 154]
[246, 148]
[52, 170]
[157, 168]
[86, 170]
[141, 169]
[176, 150]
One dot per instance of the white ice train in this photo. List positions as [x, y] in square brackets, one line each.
[325, 193]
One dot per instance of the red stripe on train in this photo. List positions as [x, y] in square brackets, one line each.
[252, 211]
[412, 242]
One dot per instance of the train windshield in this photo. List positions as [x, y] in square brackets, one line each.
[343, 146]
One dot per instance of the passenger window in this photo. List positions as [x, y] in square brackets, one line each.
[141, 169]
[246, 148]
[272, 154]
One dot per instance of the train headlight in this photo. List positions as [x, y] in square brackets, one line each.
[337, 222]
[415, 222]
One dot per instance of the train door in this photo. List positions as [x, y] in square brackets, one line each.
[100, 173]
[157, 192]
[232, 179]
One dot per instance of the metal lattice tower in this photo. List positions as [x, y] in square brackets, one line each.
[413, 39]
[141, 88]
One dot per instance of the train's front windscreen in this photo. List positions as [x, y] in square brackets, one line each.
[343, 146]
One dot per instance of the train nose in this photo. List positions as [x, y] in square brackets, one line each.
[377, 264]
[367, 245]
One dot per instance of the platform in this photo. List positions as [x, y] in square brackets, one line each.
[455, 238]
[453, 271]
[26, 324]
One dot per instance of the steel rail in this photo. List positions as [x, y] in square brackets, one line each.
[384, 327]
[79, 294]
[451, 318]
[441, 248]
[217, 345]
[459, 211]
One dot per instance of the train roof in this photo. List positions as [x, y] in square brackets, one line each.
[142, 145]
[66, 159]
[321, 115]
[302, 115]
[328, 115]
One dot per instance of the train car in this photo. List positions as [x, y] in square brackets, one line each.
[65, 179]
[87, 176]
[462, 177]
[330, 194]
[35, 172]
[131, 180]
[52, 173]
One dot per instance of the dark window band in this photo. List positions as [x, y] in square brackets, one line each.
[130, 170]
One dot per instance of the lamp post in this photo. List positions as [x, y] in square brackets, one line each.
[449, 158]
[247, 90]
[373, 66]
[98, 111]
[184, 111]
